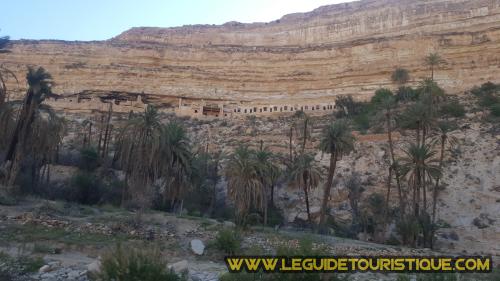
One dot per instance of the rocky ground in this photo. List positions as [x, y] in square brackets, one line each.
[69, 240]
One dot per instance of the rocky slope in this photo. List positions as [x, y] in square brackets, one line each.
[339, 49]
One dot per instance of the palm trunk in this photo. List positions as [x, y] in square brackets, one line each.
[305, 135]
[393, 158]
[272, 194]
[424, 193]
[106, 134]
[306, 198]
[435, 191]
[326, 192]
[290, 143]
[386, 209]
[17, 144]
[265, 209]
[90, 134]
[99, 143]
[3, 90]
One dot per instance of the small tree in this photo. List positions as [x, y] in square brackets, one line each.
[400, 76]
[433, 61]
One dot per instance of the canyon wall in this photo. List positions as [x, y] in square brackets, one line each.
[347, 48]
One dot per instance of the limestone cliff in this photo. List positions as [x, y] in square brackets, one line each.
[339, 49]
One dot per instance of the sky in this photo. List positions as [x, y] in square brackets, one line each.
[103, 19]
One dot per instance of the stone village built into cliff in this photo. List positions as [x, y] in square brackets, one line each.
[198, 108]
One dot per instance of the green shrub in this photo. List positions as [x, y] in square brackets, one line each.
[362, 121]
[228, 241]
[453, 108]
[274, 216]
[132, 264]
[495, 109]
[405, 94]
[6, 199]
[400, 76]
[488, 94]
[380, 95]
[89, 159]
[87, 188]
[30, 264]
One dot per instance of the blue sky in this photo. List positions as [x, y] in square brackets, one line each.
[103, 19]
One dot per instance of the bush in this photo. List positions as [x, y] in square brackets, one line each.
[380, 95]
[362, 122]
[89, 159]
[405, 94]
[274, 216]
[487, 94]
[495, 110]
[228, 241]
[133, 264]
[87, 188]
[453, 108]
[400, 76]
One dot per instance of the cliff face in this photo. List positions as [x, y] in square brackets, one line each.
[339, 49]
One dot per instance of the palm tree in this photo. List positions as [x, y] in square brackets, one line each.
[434, 60]
[138, 152]
[4, 74]
[400, 76]
[306, 128]
[305, 173]
[87, 136]
[268, 173]
[175, 151]
[419, 117]
[337, 140]
[388, 104]
[39, 87]
[47, 134]
[430, 93]
[419, 165]
[444, 139]
[244, 186]
[4, 40]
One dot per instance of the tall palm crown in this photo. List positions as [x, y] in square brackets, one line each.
[430, 92]
[419, 159]
[420, 117]
[243, 182]
[305, 172]
[33, 128]
[434, 60]
[40, 83]
[419, 167]
[337, 138]
[175, 151]
[139, 146]
[265, 167]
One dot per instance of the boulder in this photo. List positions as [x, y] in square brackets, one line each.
[45, 268]
[197, 247]
[94, 266]
[229, 224]
[179, 267]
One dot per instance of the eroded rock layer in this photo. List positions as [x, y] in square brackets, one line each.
[339, 49]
